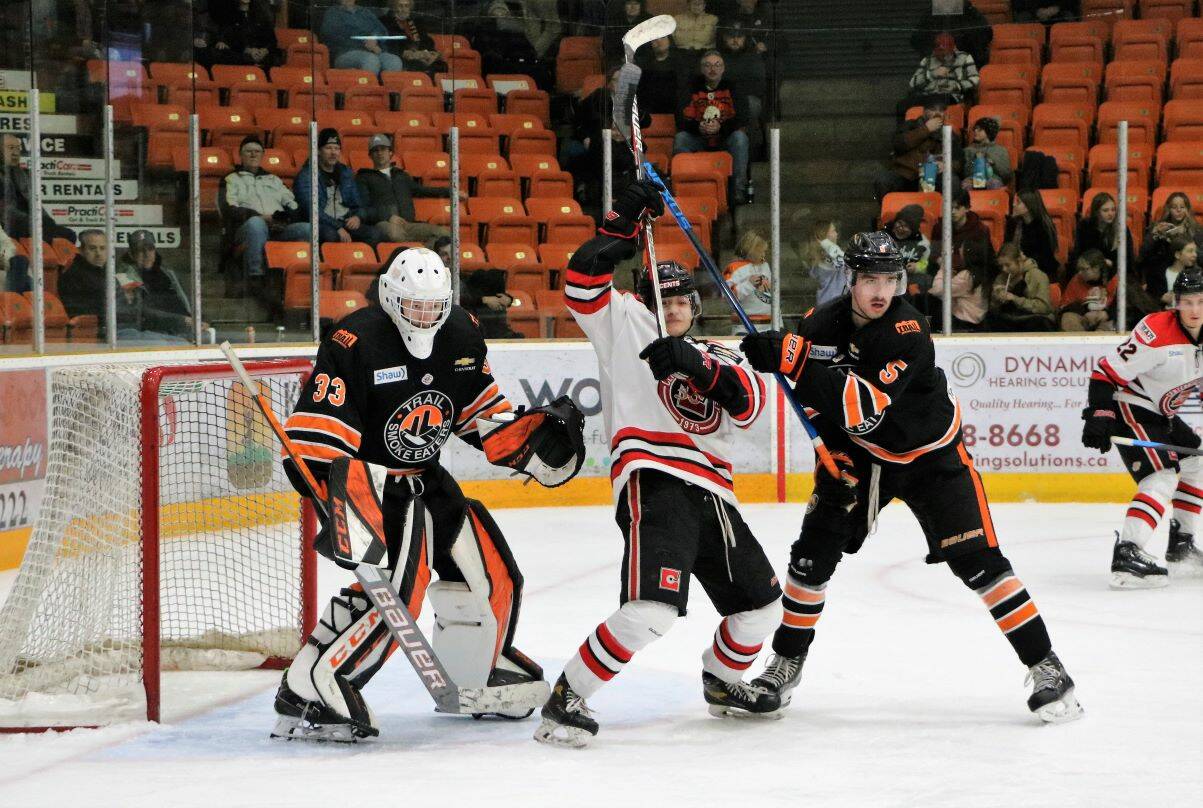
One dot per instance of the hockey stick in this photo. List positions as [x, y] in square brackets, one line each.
[1161, 447]
[711, 267]
[625, 97]
[375, 583]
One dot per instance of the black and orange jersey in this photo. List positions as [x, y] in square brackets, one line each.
[877, 386]
[369, 398]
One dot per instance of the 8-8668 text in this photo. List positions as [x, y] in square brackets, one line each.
[1013, 435]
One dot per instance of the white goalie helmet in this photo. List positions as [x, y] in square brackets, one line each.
[415, 290]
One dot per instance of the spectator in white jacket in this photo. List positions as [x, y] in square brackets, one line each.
[750, 277]
[255, 206]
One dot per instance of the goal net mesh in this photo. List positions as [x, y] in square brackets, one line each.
[229, 540]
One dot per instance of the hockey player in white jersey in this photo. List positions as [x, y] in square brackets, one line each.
[670, 406]
[1136, 392]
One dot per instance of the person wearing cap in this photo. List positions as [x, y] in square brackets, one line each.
[745, 69]
[947, 73]
[255, 207]
[985, 131]
[388, 192]
[913, 246]
[340, 210]
[161, 302]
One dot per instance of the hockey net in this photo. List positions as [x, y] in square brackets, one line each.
[168, 539]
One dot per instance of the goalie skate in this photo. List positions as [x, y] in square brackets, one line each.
[739, 699]
[298, 719]
[566, 719]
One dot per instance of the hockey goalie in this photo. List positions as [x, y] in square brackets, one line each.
[391, 384]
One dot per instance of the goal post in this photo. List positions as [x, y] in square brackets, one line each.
[168, 538]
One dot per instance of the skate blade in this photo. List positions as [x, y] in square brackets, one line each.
[553, 734]
[727, 711]
[1126, 580]
[1062, 711]
[289, 728]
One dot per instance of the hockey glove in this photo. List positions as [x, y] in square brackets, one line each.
[632, 203]
[1101, 423]
[546, 443]
[669, 355]
[772, 351]
[841, 492]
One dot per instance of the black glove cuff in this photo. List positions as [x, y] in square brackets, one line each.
[619, 226]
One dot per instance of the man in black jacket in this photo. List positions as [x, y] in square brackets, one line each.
[15, 197]
[387, 194]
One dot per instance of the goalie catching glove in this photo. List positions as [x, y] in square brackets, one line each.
[546, 443]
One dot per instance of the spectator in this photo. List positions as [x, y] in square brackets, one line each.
[582, 153]
[970, 285]
[81, 288]
[1099, 231]
[1186, 254]
[915, 143]
[543, 28]
[711, 116]
[823, 260]
[14, 267]
[996, 169]
[1088, 298]
[482, 293]
[1177, 219]
[255, 207]
[912, 244]
[417, 50]
[161, 300]
[500, 37]
[1044, 11]
[1140, 302]
[744, 69]
[1031, 228]
[622, 17]
[660, 81]
[750, 277]
[967, 226]
[970, 29]
[1020, 300]
[695, 28]
[340, 216]
[947, 73]
[756, 19]
[243, 32]
[342, 26]
[387, 193]
[15, 197]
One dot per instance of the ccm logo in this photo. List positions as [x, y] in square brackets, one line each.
[670, 579]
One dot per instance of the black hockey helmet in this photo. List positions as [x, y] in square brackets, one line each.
[875, 253]
[1188, 282]
[675, 281]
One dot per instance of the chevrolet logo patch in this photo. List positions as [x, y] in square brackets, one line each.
[464, 361]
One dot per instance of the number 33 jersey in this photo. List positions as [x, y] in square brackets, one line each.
[1157, 368]
[369, 398]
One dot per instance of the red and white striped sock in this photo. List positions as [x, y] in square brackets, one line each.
[1144, 514]
[1188, 500]
[738, 640]
[607, 650]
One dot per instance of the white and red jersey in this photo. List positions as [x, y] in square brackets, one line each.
[671, 425]
[1157, 368]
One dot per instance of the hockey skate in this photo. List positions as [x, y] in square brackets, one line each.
[1052, 696]
[1182, 556]
[739, 698]
[298, 719]
[781, 676]
[1133, 568]
[566, 718]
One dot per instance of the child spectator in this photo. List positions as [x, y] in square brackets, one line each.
[1020, 300]
[695, 28]
[1031, 228]
[1088, 299]
[750, 278]
[1099, 231]
[967, 226]
[912, 244]
[915, 143]
[1176, 219]
[823, 260]
[994, 170]
[1186, 254]
[970, 286]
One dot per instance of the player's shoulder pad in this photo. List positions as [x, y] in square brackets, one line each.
[1159, 328]
[363, 324]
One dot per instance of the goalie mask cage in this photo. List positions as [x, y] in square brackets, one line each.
[168, 538]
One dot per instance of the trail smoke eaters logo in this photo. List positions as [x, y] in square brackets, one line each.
[419, 427]
[694, 413]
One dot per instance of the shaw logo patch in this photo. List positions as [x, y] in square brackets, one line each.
[344, 338]
[907, 327]
[389, 375]
[694, 413]
[670, 579]
[418, 428]
[822, 352]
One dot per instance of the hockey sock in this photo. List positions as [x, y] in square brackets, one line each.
[606, 651]
[803, 605]
[1017, 617]
[737, 641]
[1188, 497]
[1148, 506]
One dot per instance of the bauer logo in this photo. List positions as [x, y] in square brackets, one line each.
[670, 579]
[967, 369]
[418, 428]
[389, 375]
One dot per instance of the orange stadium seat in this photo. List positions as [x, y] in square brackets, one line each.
[166, 128]
[1180, 163]
[1070, 162]
[1076, 46]
[280, 163]
[570, 228]
[16, 318]
[996, 11]
[389, 121]
[304, 88]
[473, 166]
[553, 184]
[1071, 82]
[1135, 81]
[530, 102]
[472, 257]
[293, 36]
[1062, 123]
[578, 57]
[1135, 40]
[244, 85]
[481, 101]
[429, 166]
[286, 129]
[337, 304]
[1172, 10]
[501, 182]
[1186, 78]
[1103, 165]
[188, 85]
[226, 126]
[311, 55]
[417, 140]
[992, 207]
[556, 256]
[1089, 27]
[1184, 119]
[354, 128]
[356, 264]
[358, 89]
[1188, 38]
[1007, 84]
[1142, 118]
[532, 141]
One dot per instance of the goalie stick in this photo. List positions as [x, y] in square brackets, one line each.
[448, 698]
[628, 126]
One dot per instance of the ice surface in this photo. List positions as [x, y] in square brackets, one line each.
[911, 697]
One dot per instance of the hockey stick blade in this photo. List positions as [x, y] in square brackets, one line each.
[624, 99]
[643, 33]
[516, 698]
[1186, 451]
